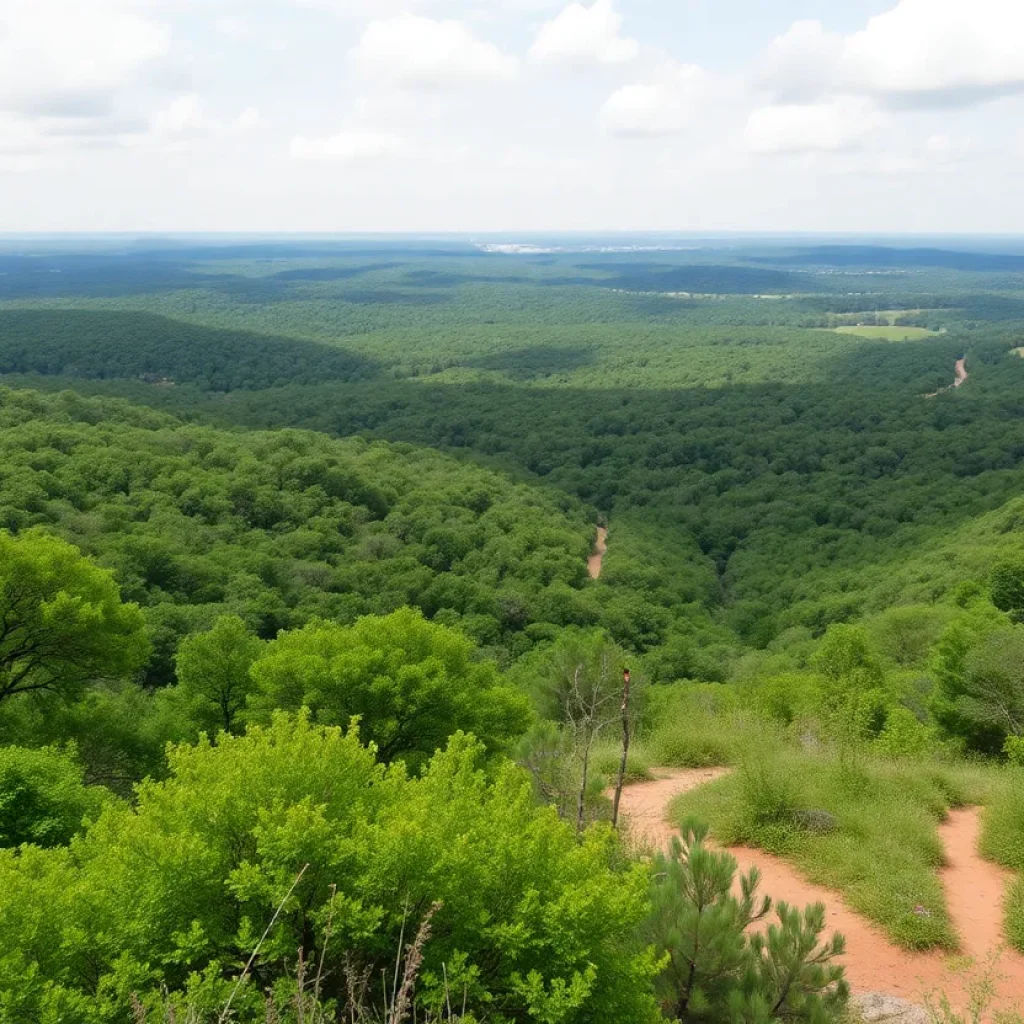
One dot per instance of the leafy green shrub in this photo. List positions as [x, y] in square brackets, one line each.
[905, 736]
[702, 726]
[411, 683]
[42, 797]
[1006, 585]
[176, 891]
[769, 798]
[786, 699]
[1014, 750]
[607, 758]
[691, 746]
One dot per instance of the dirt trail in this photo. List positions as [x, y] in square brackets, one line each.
[873, 964]
[596, 560]
[961, 378]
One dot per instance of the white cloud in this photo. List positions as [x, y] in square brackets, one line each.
[801, 64]
[346, 147]
[921, 52]
[359, 8]
[840, 125]
[418, 51]
[248, 118]
[182, 116]
[70, 58]
[20, 136]
[479, 10]
[585, 35]
[663, 106]
[173, 127]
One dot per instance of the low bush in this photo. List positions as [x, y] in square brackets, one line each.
[861, 825]
[1013, 915]
[298, 827]
[1002, 834]
[607, 758]
[1002, 840]
[704, 726]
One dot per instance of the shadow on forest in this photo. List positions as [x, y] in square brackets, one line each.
[393, 297]
[539, 361]
[839, 472]
[318, 274]
[132, 345]
[107, 276]
[872, 257]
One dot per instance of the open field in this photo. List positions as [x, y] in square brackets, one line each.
[890, 333]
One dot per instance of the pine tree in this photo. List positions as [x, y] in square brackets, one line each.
[713, 969]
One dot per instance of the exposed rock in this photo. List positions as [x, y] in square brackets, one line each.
[875, 1008]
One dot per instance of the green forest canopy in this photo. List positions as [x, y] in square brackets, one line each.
[337, 502]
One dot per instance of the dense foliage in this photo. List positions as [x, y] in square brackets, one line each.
[277, 528]
[176, 891]
[303, 677]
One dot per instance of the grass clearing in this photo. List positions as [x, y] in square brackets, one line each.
[854, 823]
[889, 333]
[704, 726]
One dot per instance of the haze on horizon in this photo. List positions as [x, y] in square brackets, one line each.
[880, 116]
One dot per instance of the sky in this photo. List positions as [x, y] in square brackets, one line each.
[902, 116]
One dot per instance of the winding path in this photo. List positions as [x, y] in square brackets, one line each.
[974, 893]
[596, 560]
[961, 378]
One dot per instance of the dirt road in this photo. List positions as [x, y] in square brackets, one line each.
[596, 560]
[973, 887]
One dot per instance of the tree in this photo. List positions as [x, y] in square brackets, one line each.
[1006, 585]
[993, 683]
[854, 697]
[62, 621]
[713, 969]
[411, 683]
[627, 729]
[976, 680]
[213, 672]
[578, 683]
[42, 797]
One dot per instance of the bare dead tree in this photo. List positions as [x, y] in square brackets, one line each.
[588, 702]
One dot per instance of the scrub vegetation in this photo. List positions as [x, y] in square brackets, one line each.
[311, 711]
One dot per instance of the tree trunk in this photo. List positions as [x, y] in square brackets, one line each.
[625, 751]
[581, 801]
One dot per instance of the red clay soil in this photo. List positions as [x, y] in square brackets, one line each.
[596, 560]
[974, 893]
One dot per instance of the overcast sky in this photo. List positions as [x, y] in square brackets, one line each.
[512, 115]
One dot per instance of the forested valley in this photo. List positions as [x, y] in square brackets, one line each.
[312, 708]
